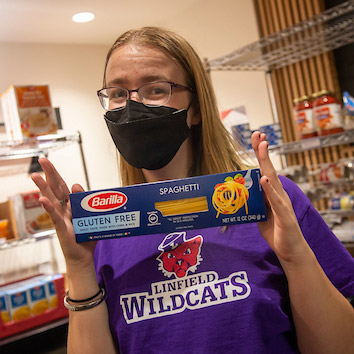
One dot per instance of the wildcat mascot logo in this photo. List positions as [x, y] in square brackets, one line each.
[179, 256]
[178, 260]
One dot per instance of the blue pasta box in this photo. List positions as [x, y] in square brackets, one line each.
[19, 303]
[52, 295]
[4, 307]
[169, 206]
[38, 298]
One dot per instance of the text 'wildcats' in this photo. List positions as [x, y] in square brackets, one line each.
[193, 292]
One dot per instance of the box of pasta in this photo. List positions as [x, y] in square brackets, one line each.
[27, 112]
[168, 206]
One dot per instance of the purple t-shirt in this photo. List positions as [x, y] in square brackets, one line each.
[211, 290]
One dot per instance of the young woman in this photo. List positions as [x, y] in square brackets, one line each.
[276, 287]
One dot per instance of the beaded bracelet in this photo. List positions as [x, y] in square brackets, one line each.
[85, 305]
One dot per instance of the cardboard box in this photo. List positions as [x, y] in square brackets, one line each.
[10, 326]
[38, 298]
[28, 112]
[4, 307]
[19, 303]
[52, 295]
[168, 206]
[31, 218]
[7, 212]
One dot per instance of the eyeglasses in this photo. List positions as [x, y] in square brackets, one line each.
[153, 94]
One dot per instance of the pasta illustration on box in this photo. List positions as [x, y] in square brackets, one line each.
[189, 203]
[231, 196]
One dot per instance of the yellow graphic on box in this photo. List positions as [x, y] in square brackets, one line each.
[40, 307]
[230, 196]
[54, 302]
[182, 206]
[5, 316]
[21, 313]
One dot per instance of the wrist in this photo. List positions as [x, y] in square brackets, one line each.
[82, 282]
[301, 262]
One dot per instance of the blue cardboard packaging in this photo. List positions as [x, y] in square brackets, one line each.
[168, 206]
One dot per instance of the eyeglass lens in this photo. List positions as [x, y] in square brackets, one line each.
[151, 94]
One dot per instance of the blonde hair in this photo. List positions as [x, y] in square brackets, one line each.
[214, 150]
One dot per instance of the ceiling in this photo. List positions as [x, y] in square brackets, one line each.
[49, 21]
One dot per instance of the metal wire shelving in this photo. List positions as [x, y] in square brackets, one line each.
[329, 30]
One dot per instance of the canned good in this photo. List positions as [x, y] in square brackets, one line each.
[332, 173]
[344, 202]
[303, 113]
[327, 113]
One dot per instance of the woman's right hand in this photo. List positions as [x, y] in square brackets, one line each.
[55, 200]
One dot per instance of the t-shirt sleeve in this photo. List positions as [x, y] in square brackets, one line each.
[334, 258]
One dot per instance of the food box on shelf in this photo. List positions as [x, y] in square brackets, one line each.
[27, 112]
[12, 322]
[7, 217]
[31, 218]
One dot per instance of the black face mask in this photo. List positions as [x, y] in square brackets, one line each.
[148, 137]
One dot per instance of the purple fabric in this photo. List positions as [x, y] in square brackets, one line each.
[211, 290]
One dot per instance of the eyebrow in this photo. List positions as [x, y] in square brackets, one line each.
[145, 79]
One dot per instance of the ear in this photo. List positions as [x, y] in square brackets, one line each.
[195, 114]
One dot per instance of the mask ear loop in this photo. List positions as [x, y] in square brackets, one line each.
[198, 110]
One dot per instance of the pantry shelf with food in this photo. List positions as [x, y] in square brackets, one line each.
[345, 137]
[41, 146]
[296, 53]
[30, 253]
[15, 225]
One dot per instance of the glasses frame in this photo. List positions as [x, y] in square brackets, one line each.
[172, 85]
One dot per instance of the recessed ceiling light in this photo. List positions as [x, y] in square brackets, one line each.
[82, 17]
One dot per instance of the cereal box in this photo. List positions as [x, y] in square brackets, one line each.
[28, 112]
[19, 303]
[175, 205]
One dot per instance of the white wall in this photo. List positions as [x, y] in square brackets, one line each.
[74, 73]
[216, 28]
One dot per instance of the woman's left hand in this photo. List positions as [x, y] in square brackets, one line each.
[281, 230]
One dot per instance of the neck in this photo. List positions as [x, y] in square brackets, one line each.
[178, 167]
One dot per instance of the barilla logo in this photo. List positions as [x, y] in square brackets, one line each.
[104, 201]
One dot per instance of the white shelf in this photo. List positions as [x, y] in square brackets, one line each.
[39, 146]
[30, 239]
[332, 29]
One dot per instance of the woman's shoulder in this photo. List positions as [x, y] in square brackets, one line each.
[290, 186]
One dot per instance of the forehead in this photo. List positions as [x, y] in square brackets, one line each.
[133, 62]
